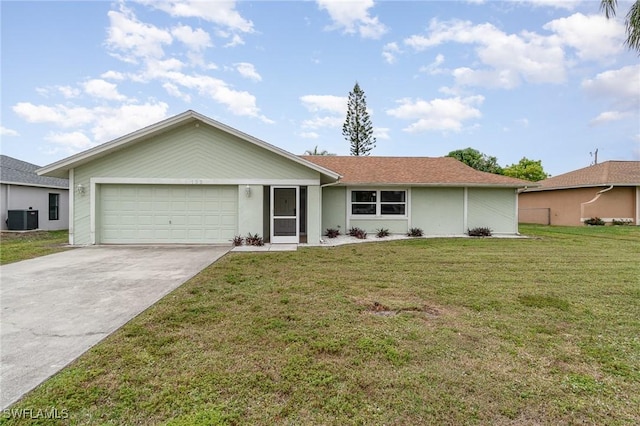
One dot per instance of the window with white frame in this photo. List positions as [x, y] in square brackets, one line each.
[378, 202]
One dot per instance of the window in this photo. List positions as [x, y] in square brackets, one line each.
[378, 203]
[54, 206]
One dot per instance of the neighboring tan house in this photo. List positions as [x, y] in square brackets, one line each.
[191, 179]
[23, 192]
[609, 190]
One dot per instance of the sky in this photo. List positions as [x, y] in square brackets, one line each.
[547, 80]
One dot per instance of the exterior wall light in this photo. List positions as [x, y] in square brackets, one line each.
[80, 189]
[247, 191]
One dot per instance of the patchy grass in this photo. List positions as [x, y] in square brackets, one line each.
[423, 331]
[16, 246]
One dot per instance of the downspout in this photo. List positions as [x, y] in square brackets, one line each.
[592, 201]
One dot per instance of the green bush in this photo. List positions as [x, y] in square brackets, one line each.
[621, 222]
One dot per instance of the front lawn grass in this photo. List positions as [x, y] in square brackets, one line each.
[423, 331]
[17, 246]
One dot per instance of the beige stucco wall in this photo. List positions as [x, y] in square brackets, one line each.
[568, 206]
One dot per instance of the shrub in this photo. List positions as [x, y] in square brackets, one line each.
[332, 232]
[594, 221]
[621, 222]
[254, 240]
[480, 231]
[382, 232]
[360, 234]
[415, 232]
[238, 240]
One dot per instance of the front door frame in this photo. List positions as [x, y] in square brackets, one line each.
[275, 239]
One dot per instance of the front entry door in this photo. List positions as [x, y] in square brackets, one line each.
[284, 214]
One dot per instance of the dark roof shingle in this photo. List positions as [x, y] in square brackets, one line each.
[20, 172]
[436, 171]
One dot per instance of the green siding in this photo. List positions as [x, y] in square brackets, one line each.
[188, 152]
[250, 209]
[438, 211]
[395, 226]
[493, 208]
[313, 214]
[334, 209]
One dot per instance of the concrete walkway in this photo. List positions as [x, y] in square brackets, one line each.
[54, 308]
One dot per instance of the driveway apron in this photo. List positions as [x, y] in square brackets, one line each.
[54, 308]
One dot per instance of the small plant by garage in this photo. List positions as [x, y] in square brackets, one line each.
[479, 231]
[254, 240]
[238, 240]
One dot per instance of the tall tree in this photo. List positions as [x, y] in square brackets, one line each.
[357, 128]
[479, 161]
[631, 22]
[526, 169]
[316, 152]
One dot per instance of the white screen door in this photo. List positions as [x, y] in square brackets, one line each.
[284, 214]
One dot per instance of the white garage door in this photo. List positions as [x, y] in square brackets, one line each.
[167, 214]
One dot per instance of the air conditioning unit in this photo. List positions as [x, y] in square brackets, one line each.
[22, 220]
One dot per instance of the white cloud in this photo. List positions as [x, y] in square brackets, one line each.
[309, 135]
[322, 122]
[247, 70]
[219, 12]
[132, 40]
[609, 116]
[104, 123]
[175, 91]
[509, 58]
[594, 37]
[334, 104]
[114, 122]
[72, 142]
[353, 17]
[68, 91]
[434, 67]
[61, 115]
[389, 52]
[103, 89]
[381, 132]
[113, 75]
[194, 39]
[8, 132]
[437, 114]
[558, 4]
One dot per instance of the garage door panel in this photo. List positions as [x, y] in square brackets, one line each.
[167, 214]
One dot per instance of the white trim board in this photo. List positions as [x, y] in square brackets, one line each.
[170, 181]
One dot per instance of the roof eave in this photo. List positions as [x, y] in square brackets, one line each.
[61, 168]
[447, 185]
[591, 185]
[4, 182]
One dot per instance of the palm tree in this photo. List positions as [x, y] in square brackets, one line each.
[316, 152]
[631, 22]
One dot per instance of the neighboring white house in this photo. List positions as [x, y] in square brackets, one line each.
[191, 179]
[22, 189]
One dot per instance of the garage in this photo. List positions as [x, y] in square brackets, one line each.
[185, 214]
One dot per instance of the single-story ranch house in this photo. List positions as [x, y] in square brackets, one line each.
[191, 179]
[608, 190]
[35, 202]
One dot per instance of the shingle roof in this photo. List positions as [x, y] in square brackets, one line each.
[619, 173]
[20, 172]
[436, 171]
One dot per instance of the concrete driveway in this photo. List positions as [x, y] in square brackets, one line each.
[54, 308]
